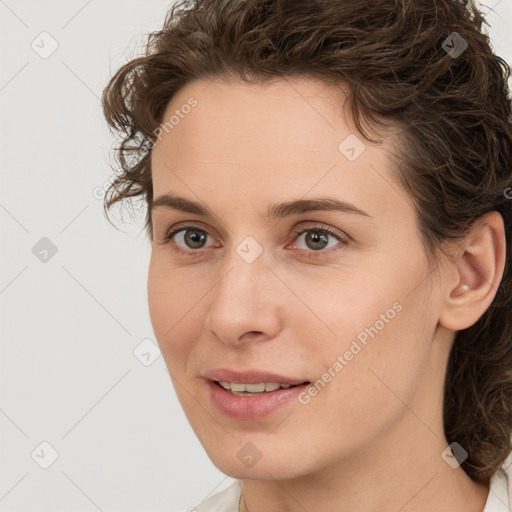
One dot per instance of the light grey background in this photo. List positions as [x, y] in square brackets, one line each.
[71, 370]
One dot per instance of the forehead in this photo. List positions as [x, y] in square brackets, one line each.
[268, 111]
[276, 139]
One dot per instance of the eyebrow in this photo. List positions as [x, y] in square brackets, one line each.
[274, 211]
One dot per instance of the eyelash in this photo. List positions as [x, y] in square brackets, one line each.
[297, 232]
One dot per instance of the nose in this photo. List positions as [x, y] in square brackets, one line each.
[245, 304]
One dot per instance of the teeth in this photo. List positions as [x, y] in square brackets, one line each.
[262, 387]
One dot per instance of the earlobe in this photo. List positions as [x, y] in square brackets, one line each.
[479, 269]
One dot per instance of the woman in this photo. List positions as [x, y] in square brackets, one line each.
[329, 205]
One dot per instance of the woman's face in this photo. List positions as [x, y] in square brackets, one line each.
[352, 310]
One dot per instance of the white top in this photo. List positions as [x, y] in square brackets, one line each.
[499, 499]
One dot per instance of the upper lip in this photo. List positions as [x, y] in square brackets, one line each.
[250, 377]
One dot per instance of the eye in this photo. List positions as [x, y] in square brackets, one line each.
[190, 239]
[316, 239]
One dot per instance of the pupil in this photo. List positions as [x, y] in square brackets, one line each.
[192, 239]
[314, 237]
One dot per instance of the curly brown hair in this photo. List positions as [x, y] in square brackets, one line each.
[454, 116]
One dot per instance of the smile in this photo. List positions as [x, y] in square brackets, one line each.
[253, 402]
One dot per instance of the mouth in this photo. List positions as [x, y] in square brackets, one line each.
[254, 401]
[262, 388]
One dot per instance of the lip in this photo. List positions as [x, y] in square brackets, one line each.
[251, 377]
[252, 408]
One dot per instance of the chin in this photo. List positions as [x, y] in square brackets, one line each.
[248, 462]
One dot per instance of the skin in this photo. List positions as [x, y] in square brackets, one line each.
[372, 439]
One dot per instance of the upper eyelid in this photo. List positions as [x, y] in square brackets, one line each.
[341, 236]
[316, 226]
[186, 226]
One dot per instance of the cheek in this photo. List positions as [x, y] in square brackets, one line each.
[172, 306]
[377, 342]
[363, 394]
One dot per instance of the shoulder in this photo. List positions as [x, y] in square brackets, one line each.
[500, 491]
[507, 470]
[223, 501]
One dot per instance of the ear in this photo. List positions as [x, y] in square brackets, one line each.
[477, 271]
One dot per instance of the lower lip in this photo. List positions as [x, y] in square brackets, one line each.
[251, 407]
